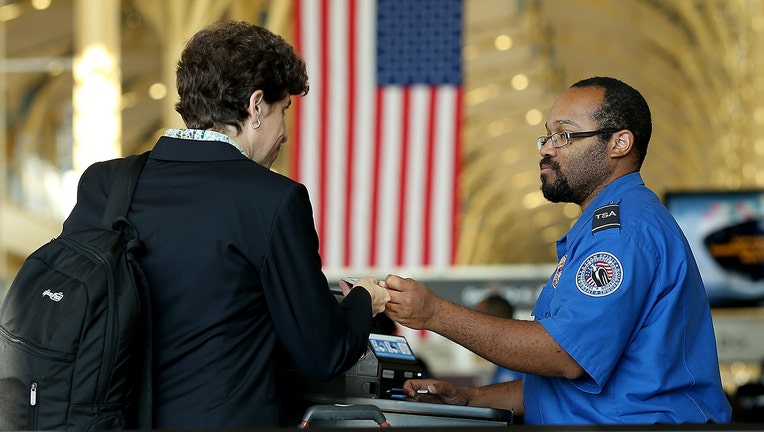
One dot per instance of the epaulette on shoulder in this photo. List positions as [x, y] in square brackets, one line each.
[606, 217]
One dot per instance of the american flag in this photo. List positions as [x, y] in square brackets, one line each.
[377, 139]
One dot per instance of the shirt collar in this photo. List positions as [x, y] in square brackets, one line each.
[203, 135]
[610, 195]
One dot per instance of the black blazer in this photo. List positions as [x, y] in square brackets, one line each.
[235, 276]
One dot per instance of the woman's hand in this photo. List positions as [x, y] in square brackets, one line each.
[379, 295]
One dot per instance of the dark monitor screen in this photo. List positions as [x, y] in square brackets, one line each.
[391, 347]
[725, 230]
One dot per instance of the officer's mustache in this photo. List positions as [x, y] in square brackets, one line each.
[548, 162]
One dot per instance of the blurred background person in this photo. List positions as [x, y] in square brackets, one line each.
[498, 306]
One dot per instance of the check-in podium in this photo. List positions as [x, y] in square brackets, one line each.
[376, 380]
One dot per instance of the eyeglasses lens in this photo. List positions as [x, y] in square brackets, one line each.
[559, 139]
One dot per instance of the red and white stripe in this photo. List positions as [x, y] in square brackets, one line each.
[381, 163]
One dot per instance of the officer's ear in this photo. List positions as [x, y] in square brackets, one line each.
[621, 143]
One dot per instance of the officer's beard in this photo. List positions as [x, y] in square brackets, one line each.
[559, 190]
[590, 172]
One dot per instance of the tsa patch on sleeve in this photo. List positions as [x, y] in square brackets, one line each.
[606, 217]
[599, 275]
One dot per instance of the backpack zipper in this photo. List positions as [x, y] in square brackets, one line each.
[107, 363]
[21, 344]
[27, 346]
[32, 420]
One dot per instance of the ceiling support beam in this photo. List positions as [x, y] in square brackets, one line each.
[97, 87]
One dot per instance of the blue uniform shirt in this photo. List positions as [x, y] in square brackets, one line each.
[628, 304]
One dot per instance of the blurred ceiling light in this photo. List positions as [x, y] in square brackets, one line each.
[510, 156]
[10, 11]
[522, 179]
[56, 68]
[502, 42]
[128, 100]
[534, 199]
[552, 234]
[41, 4]
[533, 117]
[758, 116]
[520, 82]
[475, 96]
[157, 91]
[97, 101]
[481, 94]
[571, 210]
[496, 128]
[758, 146]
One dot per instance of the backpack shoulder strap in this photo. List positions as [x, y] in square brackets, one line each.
[122, 188]
[115, 217]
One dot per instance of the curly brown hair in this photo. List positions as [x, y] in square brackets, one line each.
[224, 63]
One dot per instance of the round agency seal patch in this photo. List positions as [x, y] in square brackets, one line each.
[599, 275]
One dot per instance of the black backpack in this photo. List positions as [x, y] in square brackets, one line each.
[75, 347]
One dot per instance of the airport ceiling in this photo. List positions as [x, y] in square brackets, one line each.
[698, 62]
[39, 50]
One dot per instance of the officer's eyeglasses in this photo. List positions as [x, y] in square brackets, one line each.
[561, 139]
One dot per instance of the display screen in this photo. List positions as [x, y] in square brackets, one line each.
[391, 347]
[726, 234]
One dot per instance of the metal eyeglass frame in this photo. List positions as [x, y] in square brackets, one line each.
[567, 136]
